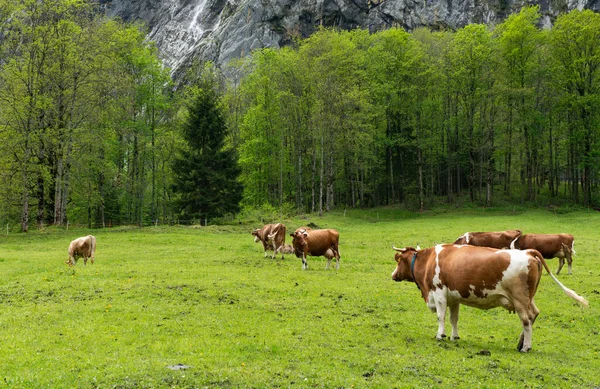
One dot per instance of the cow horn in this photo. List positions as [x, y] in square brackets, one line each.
[398, 249]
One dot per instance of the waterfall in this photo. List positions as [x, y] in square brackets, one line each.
[195, 27]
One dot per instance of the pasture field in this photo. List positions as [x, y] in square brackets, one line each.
[161, 298]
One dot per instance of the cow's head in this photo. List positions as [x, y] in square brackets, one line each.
[255, 234]
[404, 257]
[299, 241]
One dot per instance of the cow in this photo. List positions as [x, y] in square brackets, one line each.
[316, 243]
[497, 240]
[481, 277]
[82, 247]
[550, 246]
[287, 249]
[272, 237]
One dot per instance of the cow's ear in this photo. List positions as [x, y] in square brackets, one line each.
[398, 257]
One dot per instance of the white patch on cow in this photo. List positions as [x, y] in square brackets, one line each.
[467, 237]
[256, 239]
[518, 264]
[437, 282]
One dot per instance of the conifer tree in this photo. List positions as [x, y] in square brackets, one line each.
[206, 174]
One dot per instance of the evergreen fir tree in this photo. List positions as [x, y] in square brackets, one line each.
[206, 174]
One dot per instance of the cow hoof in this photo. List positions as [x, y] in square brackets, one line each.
[442, 337]
[455, 338]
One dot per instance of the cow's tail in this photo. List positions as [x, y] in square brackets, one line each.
[568, 292]
[513, 244]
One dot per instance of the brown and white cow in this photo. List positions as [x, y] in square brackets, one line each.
[272, 237]
[550, 246]
[480, 277]
[82, 247]
[316, 243]
[496, 239]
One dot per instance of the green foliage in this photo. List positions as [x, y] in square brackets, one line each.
[207, 299]
[90, 121]
[83, 103]
[353, 119]
[206, 174]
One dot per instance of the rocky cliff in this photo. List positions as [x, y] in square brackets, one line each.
[220, 30]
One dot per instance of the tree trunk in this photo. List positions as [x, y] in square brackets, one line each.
[40, 198]
[25, 194]
[58, 187]
[321, 175]
[420, 168]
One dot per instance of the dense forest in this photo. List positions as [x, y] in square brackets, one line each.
[94, 131]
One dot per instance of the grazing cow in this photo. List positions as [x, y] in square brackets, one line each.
[272, 237]
[287, 249]
[82, 247]
[550, 246]
[481, 277]
[497, 240]
[316, 243]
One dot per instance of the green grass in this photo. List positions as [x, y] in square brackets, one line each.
[206, 298]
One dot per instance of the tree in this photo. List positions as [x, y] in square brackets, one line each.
[519, 41]
[206, 174]
[575, 45]
[471, 60]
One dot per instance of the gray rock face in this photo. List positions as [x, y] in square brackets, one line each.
[220, 30]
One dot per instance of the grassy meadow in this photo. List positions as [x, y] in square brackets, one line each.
[162, 298]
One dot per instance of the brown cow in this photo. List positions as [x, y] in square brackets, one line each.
[480, 277]
[272, 237]
[82, 247]
[316, 243]
[497, 240]
[550, 246]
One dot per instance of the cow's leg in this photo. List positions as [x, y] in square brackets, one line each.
[85, 258]
[440, 308]
[569, 256]
[329, 254]
[454, 321]
[561, 263]
[304, 264]
[527, 316]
